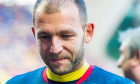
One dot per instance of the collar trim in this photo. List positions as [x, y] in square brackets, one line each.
[82, 79]
[70, 76]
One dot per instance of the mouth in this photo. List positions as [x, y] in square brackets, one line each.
[58, 60]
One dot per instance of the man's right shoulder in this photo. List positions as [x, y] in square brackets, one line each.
[21, 79]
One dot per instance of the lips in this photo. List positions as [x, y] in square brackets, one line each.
[58, 60]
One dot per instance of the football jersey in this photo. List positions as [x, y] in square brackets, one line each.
[93, 75]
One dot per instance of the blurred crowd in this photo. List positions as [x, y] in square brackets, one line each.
[17, 44]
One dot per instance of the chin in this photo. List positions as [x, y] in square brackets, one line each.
[61, 70]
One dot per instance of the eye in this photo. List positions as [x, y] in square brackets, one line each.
[66, 36]
[43, 37]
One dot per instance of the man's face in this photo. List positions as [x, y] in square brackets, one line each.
[60, 39]
[123, 61]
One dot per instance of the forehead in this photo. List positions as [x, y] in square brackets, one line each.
[70, 10]
[66, 16]
[66, 19]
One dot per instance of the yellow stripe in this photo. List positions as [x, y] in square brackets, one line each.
[70, 76]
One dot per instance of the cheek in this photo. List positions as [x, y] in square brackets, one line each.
[77, 42]
[74, 45]
[126, 65]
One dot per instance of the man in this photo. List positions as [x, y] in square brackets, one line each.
[129, 60]
[61, 30]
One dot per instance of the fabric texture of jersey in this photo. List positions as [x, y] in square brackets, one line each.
[97, 76]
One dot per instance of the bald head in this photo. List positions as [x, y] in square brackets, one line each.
[54, 6]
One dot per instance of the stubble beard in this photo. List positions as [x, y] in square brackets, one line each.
[74, 62]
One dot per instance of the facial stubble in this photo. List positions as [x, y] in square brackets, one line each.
[74, 61]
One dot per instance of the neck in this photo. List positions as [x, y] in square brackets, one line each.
[76, 74]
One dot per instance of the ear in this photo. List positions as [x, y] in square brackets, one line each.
[33, 30]
[89, 32]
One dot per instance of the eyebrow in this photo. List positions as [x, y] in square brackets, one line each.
[64, 31]
[67, 31]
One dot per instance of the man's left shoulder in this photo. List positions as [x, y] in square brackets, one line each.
[111, 78]
[32, 77]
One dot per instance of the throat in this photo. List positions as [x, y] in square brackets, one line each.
[70, 76]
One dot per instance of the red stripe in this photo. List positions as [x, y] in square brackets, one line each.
[82, 79]
[86, 75]
[45, 75]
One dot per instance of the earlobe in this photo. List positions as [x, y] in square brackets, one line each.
[33, 30]
[89, 32]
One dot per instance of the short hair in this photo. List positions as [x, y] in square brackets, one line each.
[133, 35]
[53, 6]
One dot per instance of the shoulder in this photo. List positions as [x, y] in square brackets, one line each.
[21, 79]
[108, 77]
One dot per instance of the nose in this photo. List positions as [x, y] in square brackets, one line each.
[120, 61]
[56, 46]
